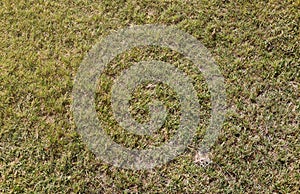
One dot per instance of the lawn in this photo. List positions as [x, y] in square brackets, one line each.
[255, 44]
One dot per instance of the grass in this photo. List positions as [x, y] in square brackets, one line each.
[255, 43]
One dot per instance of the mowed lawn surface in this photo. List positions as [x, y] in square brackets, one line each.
[255, 43]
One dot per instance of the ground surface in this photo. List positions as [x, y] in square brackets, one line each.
[255, 43]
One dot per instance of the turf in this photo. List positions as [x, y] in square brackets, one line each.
[255, 43]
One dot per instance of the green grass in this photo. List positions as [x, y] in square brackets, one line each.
[255, 43]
